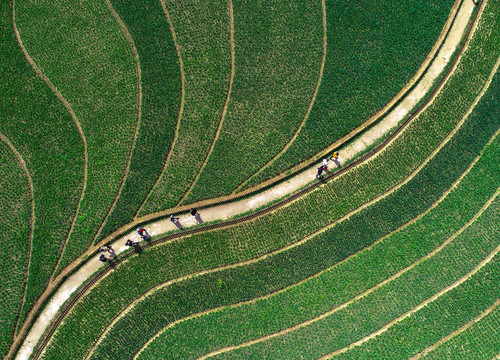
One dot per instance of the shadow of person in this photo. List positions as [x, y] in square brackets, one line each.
[198, 218]
[112, 253]
[137, 249]
[337, 162]
[178, 224]
[146, 236]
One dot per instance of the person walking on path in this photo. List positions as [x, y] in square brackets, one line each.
[103, 258]
[193, 211]
[325, 164]
[131, 243]
[174, 219]
[320, 171]
[106, 248]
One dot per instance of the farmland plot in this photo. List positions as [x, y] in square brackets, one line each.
[480, 340]
[159, 264]
[306, 259]
[278, 50]
[80, 47]
[332, 287]
[203, 35]
[161, 98]
[15, 225]
[44, 134]
[374, 48]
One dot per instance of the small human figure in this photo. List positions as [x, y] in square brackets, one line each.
[141, 232]
[193, 211]
[131, 243]
[103, 258]
[335, 155]
[174, 219]
[325, 163]
[320, 171]
[106, 248]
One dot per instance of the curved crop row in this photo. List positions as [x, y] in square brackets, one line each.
[82, 50]
[161, 97]
[44, 134]
[306, 259]
[477, 341]
[278, 52]
[165, 260]
[334, 286]
[203, 32]
[15, 225]
[373, 311]
[427, 325]
[373, 49]
[170, 259]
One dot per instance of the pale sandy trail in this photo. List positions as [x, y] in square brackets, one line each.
[230, 210]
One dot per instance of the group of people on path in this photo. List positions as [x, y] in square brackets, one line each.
[324, 165]
[145, 236]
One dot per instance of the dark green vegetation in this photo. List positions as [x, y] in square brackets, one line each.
[479, 341]
[374, 48]
[278, 51]
[15, 227]
[161, 90]
[238, 243]
[202, 30]
[82, 50]
[41, 130]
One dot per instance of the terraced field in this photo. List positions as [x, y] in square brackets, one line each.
[116, 114]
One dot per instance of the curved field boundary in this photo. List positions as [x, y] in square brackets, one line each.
[403, 92]
[224, 110]
[359, 296]
[275, 78]
[476, 341]
[282, 187]
[321, 230]
[181, 107]
[19, 159]
[384, 239]
[347, 98]
[313, 98]
[73, 116]
[456, 332]
[89, 60]
[204, 32]
[382, 330]
[447, 166]
[139, 113]
[192, 231]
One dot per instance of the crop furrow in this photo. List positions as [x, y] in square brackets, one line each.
[16, 192]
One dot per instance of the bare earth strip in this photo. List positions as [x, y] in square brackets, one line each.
[455, 333]
[338, 264]
[139, 107]
[32, 217]
[181, 108]
[231, 210]
[224, 110]
[67, 106]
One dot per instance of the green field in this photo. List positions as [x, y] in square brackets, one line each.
[115, 113]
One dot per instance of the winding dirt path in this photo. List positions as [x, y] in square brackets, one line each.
[349, 258]
[226, 211]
